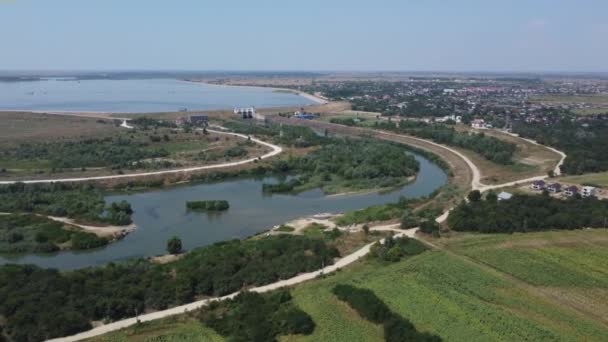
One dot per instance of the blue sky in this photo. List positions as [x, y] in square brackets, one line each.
[410, 35]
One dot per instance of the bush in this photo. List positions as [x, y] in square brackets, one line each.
[218, 205]
[81, 240]
[174, 245]
[430, 227]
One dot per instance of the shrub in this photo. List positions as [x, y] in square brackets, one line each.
[174, 245]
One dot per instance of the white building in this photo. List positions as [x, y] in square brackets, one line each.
[588, 191]
[245, 112]
[478, 124]
[504, 196]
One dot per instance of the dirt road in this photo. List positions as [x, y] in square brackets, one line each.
[275, 151]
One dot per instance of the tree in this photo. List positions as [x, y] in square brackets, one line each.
[174, 245]
[474, 196]
[409, 220]
[491, 197]
[429, 227]
[366, 229]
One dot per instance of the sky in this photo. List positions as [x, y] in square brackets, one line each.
[310, 35]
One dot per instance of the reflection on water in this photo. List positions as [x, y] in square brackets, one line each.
[161, 214]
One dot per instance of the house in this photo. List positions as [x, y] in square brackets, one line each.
[245, 112]
[199, 120]
[504, 196]
[478, 124]
[555, 187]
[180, 121]
[588, 191]
[571, 191]
[538, 185]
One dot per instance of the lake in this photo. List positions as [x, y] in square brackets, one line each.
[132, 96]
[160, 214]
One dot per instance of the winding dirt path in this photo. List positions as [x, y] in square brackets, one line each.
[275, 151]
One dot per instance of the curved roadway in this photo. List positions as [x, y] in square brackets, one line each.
[345, 261]
[275, 151]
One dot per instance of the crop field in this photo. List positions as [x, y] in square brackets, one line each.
[569, 265]
[174, 329]
[549, 286]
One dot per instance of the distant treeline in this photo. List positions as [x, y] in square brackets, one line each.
[81, 201]
[490, 148]
[526, 213]
[218, 205]
[37, 304]
[372, 308]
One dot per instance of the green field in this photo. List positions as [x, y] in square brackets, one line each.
[600, 179]
[550, 286]
[173, 329]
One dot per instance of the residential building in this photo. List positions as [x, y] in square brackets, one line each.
[555, 188]
[199, 120]
[478, 124]
[504, 196]
[571, 191]
[538, 185]
[245, 112]
[588, 191]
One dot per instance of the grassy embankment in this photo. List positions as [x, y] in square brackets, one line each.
[535, 286]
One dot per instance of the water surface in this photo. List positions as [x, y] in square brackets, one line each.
[161, 214]
[129, 96]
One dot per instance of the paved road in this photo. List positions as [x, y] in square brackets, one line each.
[343, 262]
[275, 151]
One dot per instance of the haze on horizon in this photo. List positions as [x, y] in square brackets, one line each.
[409, 35]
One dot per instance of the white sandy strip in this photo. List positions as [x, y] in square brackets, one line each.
[275, 151]
[347, 260]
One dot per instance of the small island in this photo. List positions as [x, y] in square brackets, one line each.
[214, 205]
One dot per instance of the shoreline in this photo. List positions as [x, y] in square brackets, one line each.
[317, 99]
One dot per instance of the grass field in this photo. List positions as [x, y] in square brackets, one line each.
[598, 179]
[550, 286]
[588, 104]
[174, 329]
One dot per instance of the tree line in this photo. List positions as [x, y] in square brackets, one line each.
[490, 148]
[254, 317]
[372, 308]
[78, 201]
[581, 141]
[39, 304]
[526, 213]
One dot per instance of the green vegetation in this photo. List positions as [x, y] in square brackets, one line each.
[490, 148]
[218, 205]
[370, 307]
[38, 304]
[599, 180]
[82, 201]
[174, 245]
[524, 213]
[253, 317]
[30, 233]
[285, 228]
[346, 165]
[394, 249]
[182, 328]
[450, 296]
[380, 212]
[578, 140]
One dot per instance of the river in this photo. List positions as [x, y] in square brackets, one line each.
[136, 95]
[160, 214]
